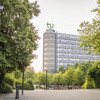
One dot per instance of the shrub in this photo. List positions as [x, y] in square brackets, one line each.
[10, 81]
[5, 88]
[27, 85]
[94, 73]
[30, 82]
[89, 83]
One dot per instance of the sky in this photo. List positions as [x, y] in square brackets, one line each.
[66, 15]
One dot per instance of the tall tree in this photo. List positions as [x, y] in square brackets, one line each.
[61, 69]
[29, 73]
[90, 33]
[81, 72]
[70, 75]
[17, 34]
[94, 73]
[56, 78]
[41, 78]
[79, 76]
[76, 64]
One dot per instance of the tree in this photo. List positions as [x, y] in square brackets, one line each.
[90, 33]
[94, 73]
[85, 66]
[17, 34]
[89, 83]
[79, 76]
[68, 66]
[81, 72]
[49, 79]
[70, 75]
[56, 78]
[61, 69]
[29, 73]
[41, 78]
[76, 64]
[17, 74]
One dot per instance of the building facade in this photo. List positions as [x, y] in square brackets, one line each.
[62, 49]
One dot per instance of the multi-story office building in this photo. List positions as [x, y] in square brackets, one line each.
[62, 49]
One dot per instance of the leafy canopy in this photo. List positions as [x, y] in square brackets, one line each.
[61, 69]
[90, 33]
[18, 37]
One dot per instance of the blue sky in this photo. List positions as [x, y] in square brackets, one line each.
[66, 15]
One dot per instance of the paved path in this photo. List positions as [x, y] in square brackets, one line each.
[55, 95]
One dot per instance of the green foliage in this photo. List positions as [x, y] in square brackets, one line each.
[5, 88]
[81, 72]
[89, 83]
[29, 73]
[17, 74]
[63, 79]
[85, 66]
[18, 37]
[10, 81]
[74, 75]
[27, 85]
[84, 73]
[94, 73]
[41, 78]
[68, 66]
[70, 75]
[79, 76]
[61, 69]
[90, 33]
[11, 75]
[56, 78]
[30, 82]
[76, 64]
[49, 79]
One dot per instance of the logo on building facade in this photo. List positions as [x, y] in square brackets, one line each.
[50, 25]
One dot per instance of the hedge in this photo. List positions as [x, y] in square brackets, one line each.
[5, 88]
[27, 85]
[10, 81]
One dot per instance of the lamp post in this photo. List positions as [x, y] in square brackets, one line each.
[51, 84]
[58, 80]
[23, 80]
[46, 78]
